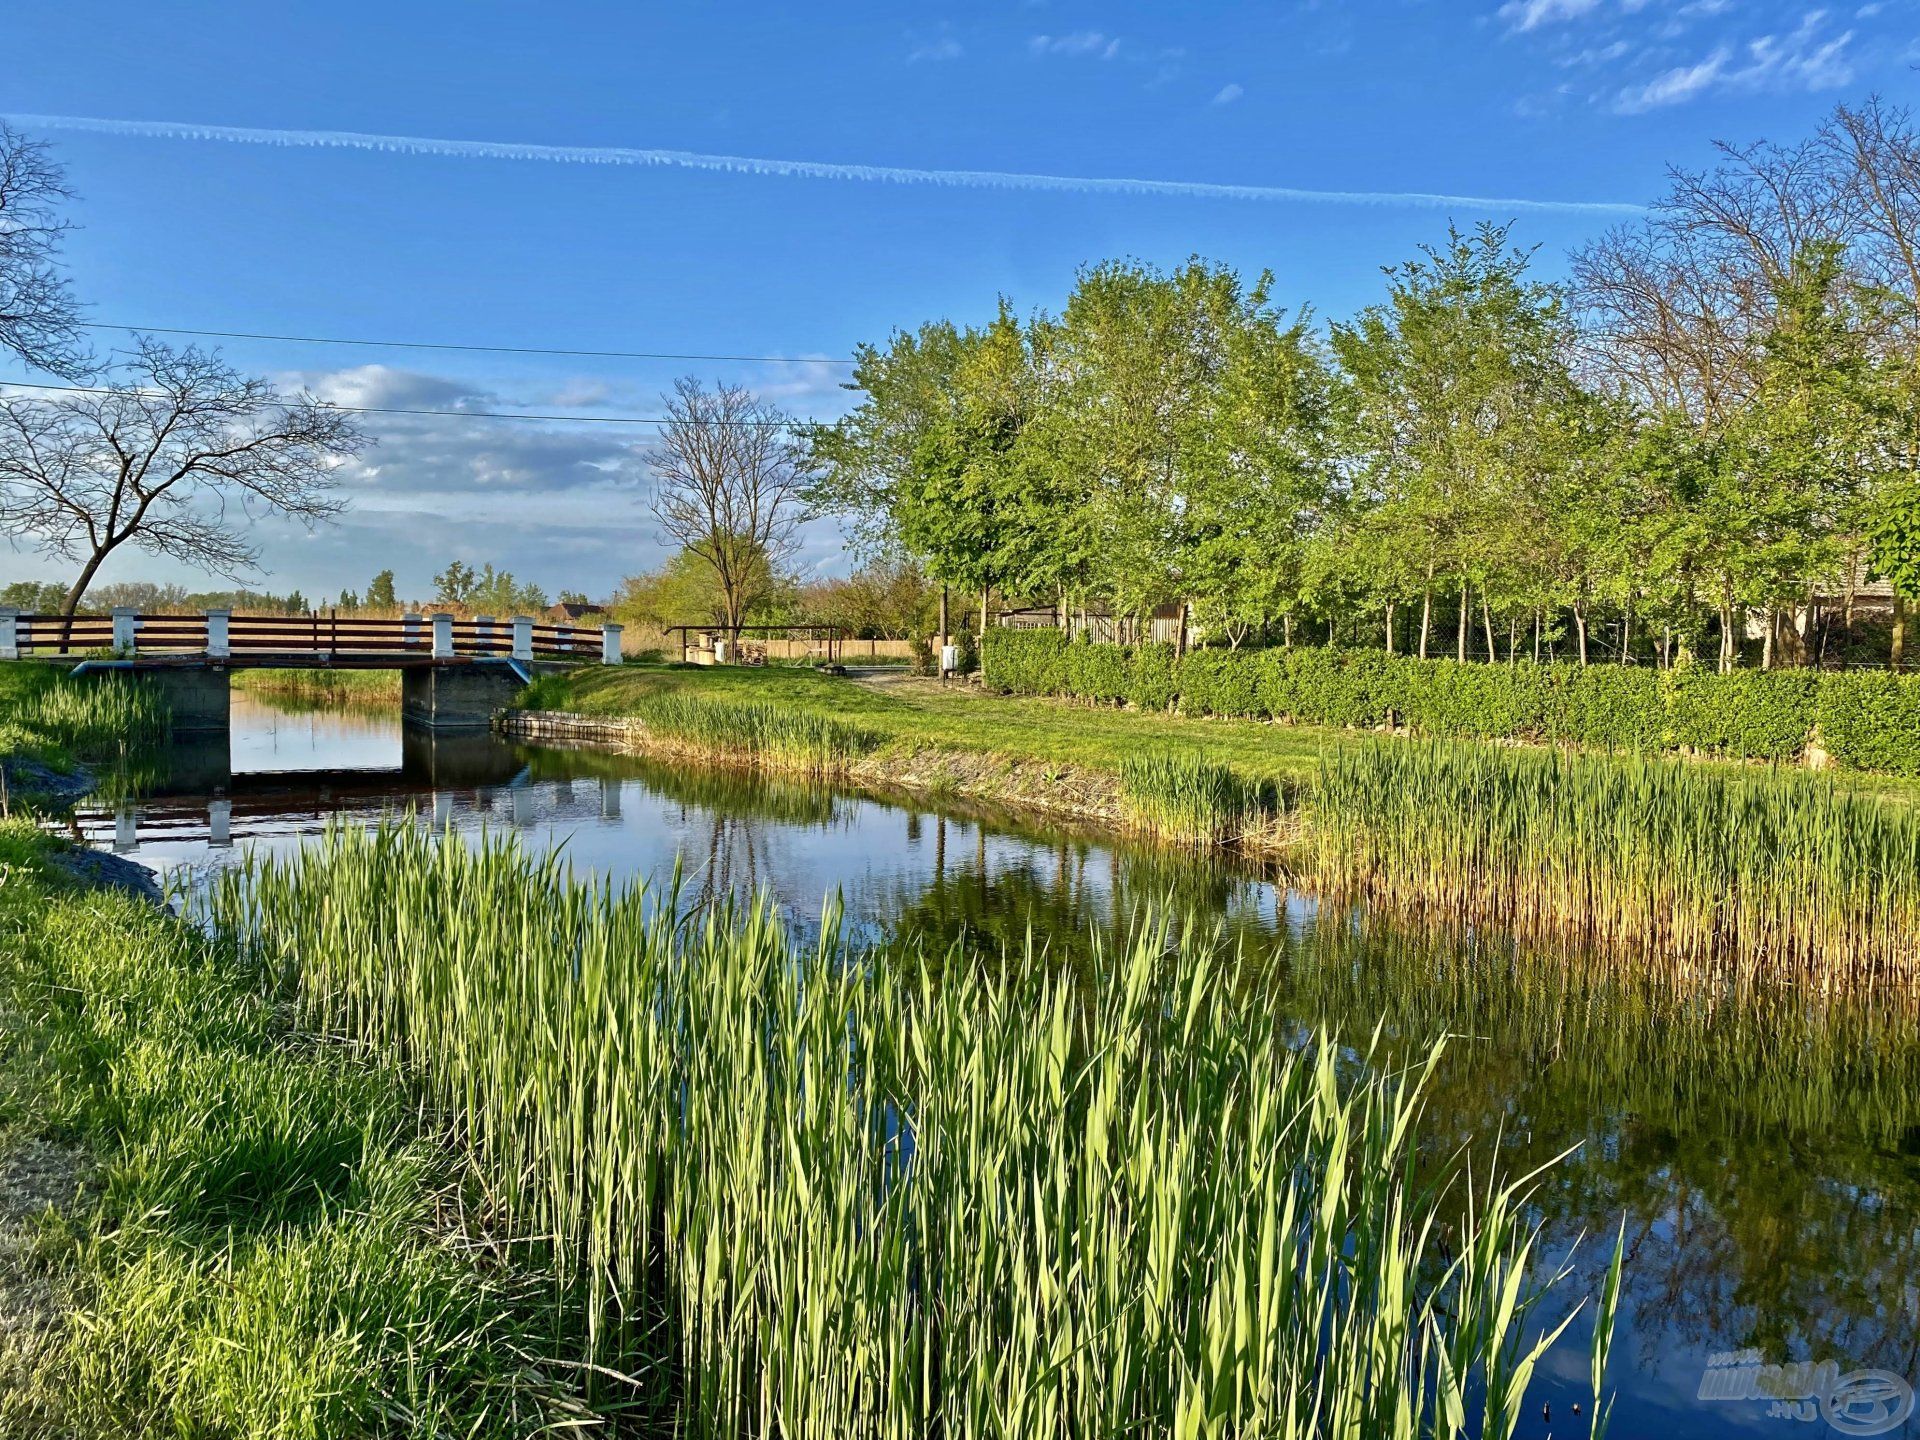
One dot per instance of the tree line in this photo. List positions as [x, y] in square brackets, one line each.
[1708, 431]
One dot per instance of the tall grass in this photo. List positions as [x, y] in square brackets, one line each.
[814, 1193]
[51, 718]
[330, 689]
[272, 1250]
[1775, 873]
[767, 735]
[1183, 796]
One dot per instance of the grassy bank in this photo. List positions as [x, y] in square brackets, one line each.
[332, 689]
[1795, 874]
[796, 1195]
[52, 724]
[269, 1245]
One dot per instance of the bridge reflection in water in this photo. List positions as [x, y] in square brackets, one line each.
[195, 793]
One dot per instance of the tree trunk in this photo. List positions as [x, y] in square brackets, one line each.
[1513, 639]
[943, 631]
[80, 584]
[1536, 637]
[1426, 613]
[1766, 644]
[1626, 634]
[1460, 639]
[1389, 627]
[1580, 624]
[1486, 619]
[1898, 659]
[1180, 638]
[1286, 629]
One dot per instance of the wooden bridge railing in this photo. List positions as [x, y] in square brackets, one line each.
[222, 635]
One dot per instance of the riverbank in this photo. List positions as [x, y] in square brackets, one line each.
[212, 1224]
[1683, 865]
[57, 734]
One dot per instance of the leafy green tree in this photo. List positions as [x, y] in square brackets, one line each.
[1451, 387]
[380, 594]
[455, 584]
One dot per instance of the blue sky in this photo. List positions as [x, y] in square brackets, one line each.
[1565, 105]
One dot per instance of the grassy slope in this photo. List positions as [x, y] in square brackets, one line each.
[267, 1249]
[955, 717]
[915, 713]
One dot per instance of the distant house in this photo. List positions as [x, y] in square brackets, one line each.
[567, 613]
[1163, 626]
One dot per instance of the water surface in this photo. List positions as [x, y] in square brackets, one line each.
[1762, 1151]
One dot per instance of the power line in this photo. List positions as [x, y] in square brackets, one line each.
[476, 349]
[453, 414]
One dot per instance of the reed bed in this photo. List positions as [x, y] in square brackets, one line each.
[330, 689]
[1184, 797]
[818, 1193]
[1775, 874]
[92, 717]
[757, 733]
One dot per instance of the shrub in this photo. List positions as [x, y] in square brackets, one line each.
[1151, 684]
[1871, 721]
[1747, 714]
[1025, 662]
[1219, 682]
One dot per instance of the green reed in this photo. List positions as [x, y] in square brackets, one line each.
[1187, 798]
[758, 733]
[1772, 873]
[817, 1193]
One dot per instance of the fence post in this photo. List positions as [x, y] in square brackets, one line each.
[411, 625]
[523, 637]
[9, 634]
[442, 635]
[125, 630]
[610, 645]
[482, 634]
[219, 634]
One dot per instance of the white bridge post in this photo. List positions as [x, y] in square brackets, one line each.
[219, 634]
[523, 637]
[482, 634]
[610, 645]
[126, 627]
[10, 636]
[442, 635]
[412, 627]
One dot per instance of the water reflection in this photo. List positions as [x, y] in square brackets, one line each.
[1762, 1149]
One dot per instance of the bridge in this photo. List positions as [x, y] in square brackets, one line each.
[455, 674]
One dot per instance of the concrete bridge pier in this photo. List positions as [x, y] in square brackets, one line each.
[199, 697]
[457, 697]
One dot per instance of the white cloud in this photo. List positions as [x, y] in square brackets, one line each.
[940, 47]
[1804, 59]
[1532, 14]
[1080, 44]
[1229, 93]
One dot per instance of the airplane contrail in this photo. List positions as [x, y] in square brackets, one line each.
[796, 169]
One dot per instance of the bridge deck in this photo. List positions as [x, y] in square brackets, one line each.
[287, 642]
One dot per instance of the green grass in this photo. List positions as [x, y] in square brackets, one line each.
[953, 717]
[771, 736]
[1679, 865]
[273, 1245]
[50, 718]
[811, 1193]
[1184, 797]
[329, 689]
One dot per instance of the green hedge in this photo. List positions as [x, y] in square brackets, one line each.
[1865, 721]
[1871, 721]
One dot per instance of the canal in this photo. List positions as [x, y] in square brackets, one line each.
[1762, 1149]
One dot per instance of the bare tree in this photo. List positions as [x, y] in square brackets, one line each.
[730, 477]
[39, 321]
[180, 456]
